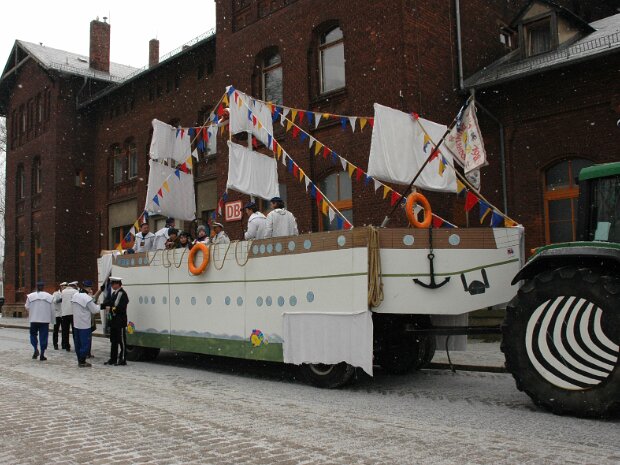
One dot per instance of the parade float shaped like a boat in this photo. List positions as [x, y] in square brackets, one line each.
[315, 299]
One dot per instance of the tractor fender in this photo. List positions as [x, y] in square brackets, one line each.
[572, 254]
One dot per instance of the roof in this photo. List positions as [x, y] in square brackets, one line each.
[599, 171]
[557, 7]
[73, 63]
[604, 40]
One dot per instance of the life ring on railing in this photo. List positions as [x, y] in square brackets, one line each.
[414, 199]
[193, 269]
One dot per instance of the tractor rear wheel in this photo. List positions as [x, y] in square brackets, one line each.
[560, 339]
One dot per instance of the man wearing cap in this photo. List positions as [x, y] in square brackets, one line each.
[256, 222]
[280, 222]
[87, 288]
[83, 310]
[57, 303]
[145, 240]
[67, 314]
[161, 236]
[40, 315]
[116, 303]
[220, 236]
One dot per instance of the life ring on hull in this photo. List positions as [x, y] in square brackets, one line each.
[414, 199]
[193, 269]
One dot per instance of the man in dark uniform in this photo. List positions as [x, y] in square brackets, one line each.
[116, 305]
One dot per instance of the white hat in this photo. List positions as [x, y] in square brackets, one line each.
[64, 283]
[215, 223]
[73, 283]
[115, 279]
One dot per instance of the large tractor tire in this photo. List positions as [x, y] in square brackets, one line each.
[328, 376]
[560, 339]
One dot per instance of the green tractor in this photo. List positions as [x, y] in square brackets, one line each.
[562, 330]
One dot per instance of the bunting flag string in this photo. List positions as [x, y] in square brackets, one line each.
[131, 234]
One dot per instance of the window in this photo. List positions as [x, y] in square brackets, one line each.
[271, 72]
[19, 184]
[117, 165]
[132, 155]
[37, 186]
[606, 197]
[538, 37]
[21, 263]
[560, 196]
[80, 178]
[118, 234]
[22, 117]
[337, 187]
[39, 109]
[37, 258]
[331, 60]
[48, 105]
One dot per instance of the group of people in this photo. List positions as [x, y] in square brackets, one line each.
[279, 222]
[73, 308]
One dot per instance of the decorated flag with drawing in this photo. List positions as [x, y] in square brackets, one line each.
[465, 140]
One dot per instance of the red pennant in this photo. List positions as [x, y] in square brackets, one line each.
[434, 154]
[301, 116]
[254, 120]
[205, 135]
[183, 168]
[236, 96]
[295, 132]
[325, 152]
[394, 199]
[182, 133]
[160, 193]
[347, 225]
[358, 174]
[220, 109]
[415, 115]
[371, 121]
[470, 201]
[319, 197]
[295, 171]
[437, 222]
[254, 142]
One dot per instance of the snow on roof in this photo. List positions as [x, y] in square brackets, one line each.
[605, 39]
[74, 63]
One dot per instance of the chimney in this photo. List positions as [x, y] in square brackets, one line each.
[100, 45]
[153, 52]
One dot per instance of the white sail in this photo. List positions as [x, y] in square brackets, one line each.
[170, 192]
[252, 173]
[169, 142]
[247, 114]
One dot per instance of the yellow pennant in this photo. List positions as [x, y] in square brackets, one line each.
[289, 125]
[301, 174]
[326, 115]
[260, 126]
[293, 115]
[350, 169]
[317, 147]
[459, 186]
[279, 151]
[324, 207]
[239, 102]
[386, 191]
[225, 99]
[136, 226]
[363, 122]
[222, 129]
[166, 186]
[509, 223]
[188, 162]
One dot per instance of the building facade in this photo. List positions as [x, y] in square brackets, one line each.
[80, 127]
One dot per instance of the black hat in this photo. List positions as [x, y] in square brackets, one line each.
[143, 223]
[250, 205]
[183, 233]
[172, 231]
[276, 199]
[169, 220]
[87, 283]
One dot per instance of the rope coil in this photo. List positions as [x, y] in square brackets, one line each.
[375, 283]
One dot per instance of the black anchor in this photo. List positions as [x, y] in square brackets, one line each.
[431, 257]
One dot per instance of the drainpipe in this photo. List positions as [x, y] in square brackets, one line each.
[459, 45]
[502, 153]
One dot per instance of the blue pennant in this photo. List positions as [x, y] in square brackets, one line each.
[128, 237]
[339, 222]
[303, 136]
[191, 132]
[216, 119]
[310, 117]
[496, 219]
[343, 122]
[276, 114]
[231, 89]
[335, 158]
[249, 114]
[313, 190]
[289, 164]
[269, 141]
[177, 172]
[201, 145]
[156, 200]
[178, 132]
[367, 179]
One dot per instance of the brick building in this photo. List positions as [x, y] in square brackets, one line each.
[79, 127]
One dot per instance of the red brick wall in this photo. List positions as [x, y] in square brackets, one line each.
[99, 46]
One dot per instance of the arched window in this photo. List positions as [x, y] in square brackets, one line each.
[560, 193]
[37, 185]
[19, 183]
[132, 157]
[271, 77]
[117, 164]
[337, 187]
[331, 60]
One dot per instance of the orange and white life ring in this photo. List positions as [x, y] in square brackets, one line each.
[414, 199]
[193, 269]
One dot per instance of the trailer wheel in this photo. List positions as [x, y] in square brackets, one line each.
[141, 354]
[400, 356]
[328, 376]
[560, 339]
[429, 346]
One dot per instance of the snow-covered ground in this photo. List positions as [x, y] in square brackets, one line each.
[190, 409]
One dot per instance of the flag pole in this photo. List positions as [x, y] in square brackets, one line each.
[430, 157]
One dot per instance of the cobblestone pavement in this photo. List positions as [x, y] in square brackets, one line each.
[186, 409]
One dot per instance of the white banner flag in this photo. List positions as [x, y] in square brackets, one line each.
[465, 141]
[170, 192]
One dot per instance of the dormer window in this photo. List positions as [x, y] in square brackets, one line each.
[538, 36]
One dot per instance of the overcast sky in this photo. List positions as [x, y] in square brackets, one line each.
[65, 25]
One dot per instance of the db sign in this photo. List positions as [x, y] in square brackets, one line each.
[233, 211]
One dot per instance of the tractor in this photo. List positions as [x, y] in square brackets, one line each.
[562, 330]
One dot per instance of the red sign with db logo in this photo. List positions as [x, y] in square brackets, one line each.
[233, 211]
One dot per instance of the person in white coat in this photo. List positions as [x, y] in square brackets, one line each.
[40, 315]
[220, 236]
[84, 308]
[280, 222]
[161, 236]
[256, 222]
[67, 314]
[57, 302]
[145, 240]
